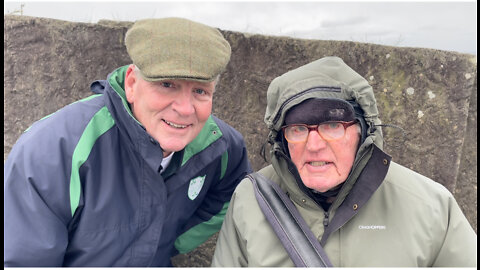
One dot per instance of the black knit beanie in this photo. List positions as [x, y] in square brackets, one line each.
[317, 110]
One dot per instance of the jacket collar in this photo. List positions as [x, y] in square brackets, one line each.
[369, 179]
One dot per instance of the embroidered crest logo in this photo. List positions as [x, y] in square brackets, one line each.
[196, 185]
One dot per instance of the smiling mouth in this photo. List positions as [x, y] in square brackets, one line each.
[318, 163]
[175, 125]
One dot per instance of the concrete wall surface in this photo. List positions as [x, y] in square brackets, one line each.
[430, 93]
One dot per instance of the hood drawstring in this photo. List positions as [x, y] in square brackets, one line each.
[372, 128]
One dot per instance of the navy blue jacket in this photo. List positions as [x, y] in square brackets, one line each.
[83, 187]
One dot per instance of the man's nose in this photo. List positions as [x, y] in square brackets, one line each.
[183, 102]
[315, 142]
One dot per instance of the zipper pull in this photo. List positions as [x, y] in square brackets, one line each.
[325, 220]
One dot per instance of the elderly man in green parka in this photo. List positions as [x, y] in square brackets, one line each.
[326, 155]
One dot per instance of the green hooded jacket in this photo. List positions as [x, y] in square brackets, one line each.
[385, 215]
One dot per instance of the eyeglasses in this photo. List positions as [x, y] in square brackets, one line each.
[334, 130]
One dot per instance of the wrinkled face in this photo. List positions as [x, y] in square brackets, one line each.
[172, 111]
[325, 164]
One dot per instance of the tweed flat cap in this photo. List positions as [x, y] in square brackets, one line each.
[176, 48]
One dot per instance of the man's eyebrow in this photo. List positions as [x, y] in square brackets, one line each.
[161, 82]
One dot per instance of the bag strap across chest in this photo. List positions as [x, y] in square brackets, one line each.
[297, 238]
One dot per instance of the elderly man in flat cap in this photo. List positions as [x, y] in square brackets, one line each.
[135, 174]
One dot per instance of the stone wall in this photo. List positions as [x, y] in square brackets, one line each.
[430, 93]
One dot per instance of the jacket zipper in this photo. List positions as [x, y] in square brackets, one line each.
[325, 219]
[315, 89]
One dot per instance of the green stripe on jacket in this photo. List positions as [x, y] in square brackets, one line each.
[100, 123]
[200, 233]
[224, 164]
[208, 135]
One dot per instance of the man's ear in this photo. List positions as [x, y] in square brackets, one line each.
[130, 81]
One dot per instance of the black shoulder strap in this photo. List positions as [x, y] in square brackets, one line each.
[297, 238]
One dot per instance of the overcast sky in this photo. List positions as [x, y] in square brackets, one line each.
[443, 25]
